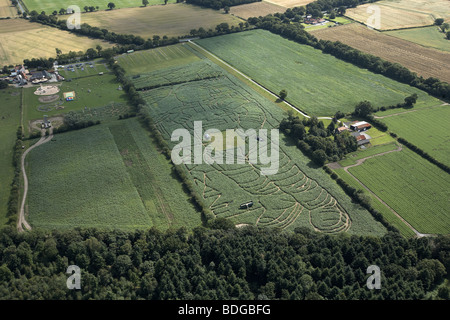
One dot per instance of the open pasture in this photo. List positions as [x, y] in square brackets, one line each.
[171, 20]
[18, 38]
[427, 62]
[416, 189]
[396, 14]
[297, 195]
[317, 84]
[107, 176]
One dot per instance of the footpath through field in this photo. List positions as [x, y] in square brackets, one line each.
[255, 83]
[21, 221]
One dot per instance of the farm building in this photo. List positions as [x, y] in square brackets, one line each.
[310, 20]
[360, 126]
[40, 75]
[361, 138]
[342, 129]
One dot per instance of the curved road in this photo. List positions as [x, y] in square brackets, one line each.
[21, 221]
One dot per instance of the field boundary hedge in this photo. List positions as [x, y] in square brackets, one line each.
[423, 154]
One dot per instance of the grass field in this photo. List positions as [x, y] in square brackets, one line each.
[17, 35]
[396, 14]
[50, 5]
[9, 122]
[107, 176]
[7, 9]
[103, 91]
[171, 20]
[157, 59]
[416, 189]
[316, 83]
[256, 9]
[429, 37]
[423, 128]
[297, 195]
[427, 62]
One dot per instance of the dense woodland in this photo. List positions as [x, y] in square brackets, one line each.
[219, 263]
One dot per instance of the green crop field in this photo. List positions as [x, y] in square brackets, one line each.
[316, 83]
[424, 128]
[106, 176]
[9, 122]
[298, 195]
[360, 154]
[377, 205]
[50, 5]
[429, 37]
[416, 189]
[157, 59]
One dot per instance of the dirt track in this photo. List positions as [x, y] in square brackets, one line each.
[21, 220]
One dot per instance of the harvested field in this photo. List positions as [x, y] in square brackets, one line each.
[291, 3]
[402, 13]
[256, 9]
[426, 62]
[6, 9]
[171, 20]
[18, 38]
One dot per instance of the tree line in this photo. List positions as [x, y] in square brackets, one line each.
[14, 195]
[219, 264]
[138, 104]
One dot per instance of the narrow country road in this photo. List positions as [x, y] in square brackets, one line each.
[21, 220]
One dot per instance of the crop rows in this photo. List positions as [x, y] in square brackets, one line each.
[286, 199]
